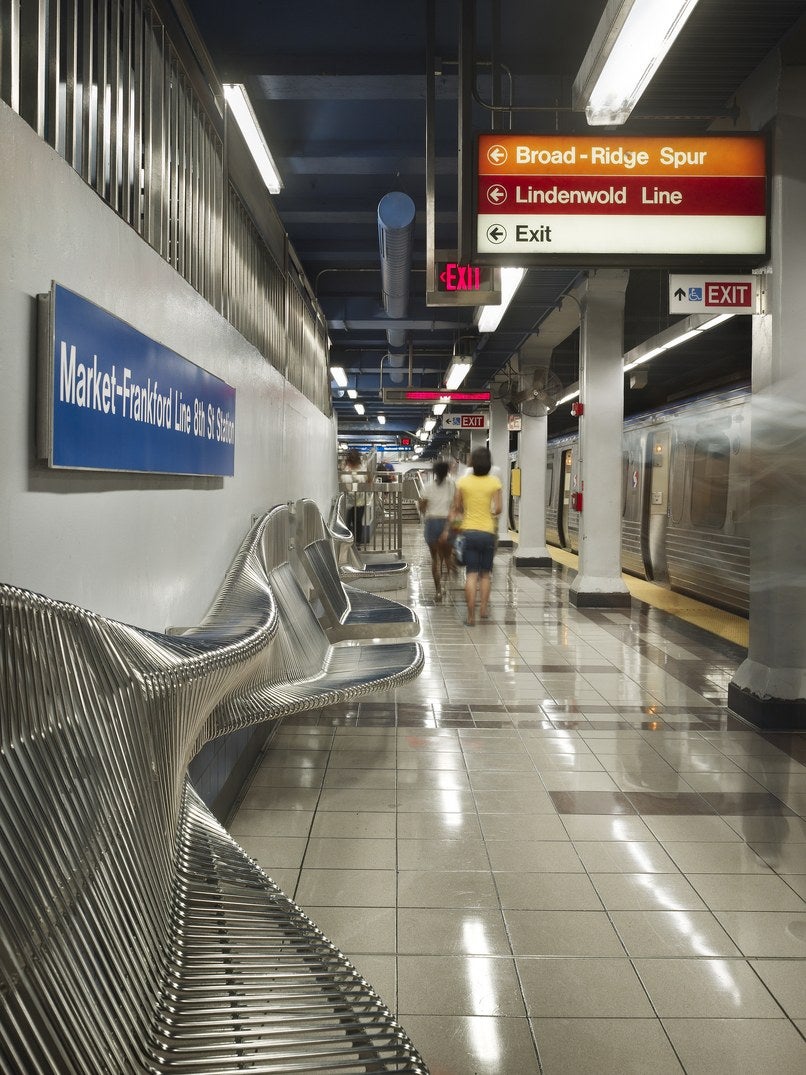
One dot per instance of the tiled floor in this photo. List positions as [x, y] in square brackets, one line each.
[555, 851]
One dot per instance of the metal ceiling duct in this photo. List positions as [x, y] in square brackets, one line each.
[395, 239]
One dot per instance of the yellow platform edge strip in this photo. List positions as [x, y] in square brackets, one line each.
[725, 625]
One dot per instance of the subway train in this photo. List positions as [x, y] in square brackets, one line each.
[684, 497]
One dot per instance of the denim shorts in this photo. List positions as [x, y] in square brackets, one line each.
[433, 530]
[479, 550]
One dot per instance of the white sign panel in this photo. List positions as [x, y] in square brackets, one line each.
[708, 293]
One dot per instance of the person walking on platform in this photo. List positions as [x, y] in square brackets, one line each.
[435, 506]
[478, 503]
[352, 476]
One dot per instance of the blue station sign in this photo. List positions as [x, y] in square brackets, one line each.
[114, 399]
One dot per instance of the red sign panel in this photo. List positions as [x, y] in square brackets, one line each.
[733, 295]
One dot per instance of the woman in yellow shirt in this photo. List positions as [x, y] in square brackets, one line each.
[478, 501]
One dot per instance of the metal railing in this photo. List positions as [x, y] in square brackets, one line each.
[125, 92]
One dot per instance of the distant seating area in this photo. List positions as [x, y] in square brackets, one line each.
[372, 570]
[136, 935]
[349, 612]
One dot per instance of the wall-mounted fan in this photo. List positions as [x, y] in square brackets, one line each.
[506, 392]
[542, 395]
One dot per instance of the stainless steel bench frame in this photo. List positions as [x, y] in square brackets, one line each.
[348, 612]
[379, 572]
[135, 936]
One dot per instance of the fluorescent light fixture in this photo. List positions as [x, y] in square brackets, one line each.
[241, 108]
[352, 394]
[718, 320]
[457, 371]
[381, 419]
[439, 408]
[569, 397]
[423, 436]
[489, 317]
[429, 424]
[630, 43]
[672, 337]
[339, 376]
[359, 407]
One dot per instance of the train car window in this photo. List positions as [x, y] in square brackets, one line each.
[549, 481]
[709, 492]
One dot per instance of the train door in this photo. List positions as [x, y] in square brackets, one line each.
[656, 505]
[566, 467]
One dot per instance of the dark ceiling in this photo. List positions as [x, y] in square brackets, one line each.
[340, 90]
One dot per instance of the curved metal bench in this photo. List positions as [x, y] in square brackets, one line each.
[348, 611]
[374, 571]
[135, 935]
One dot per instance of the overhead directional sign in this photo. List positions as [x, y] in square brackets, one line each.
[464, 421]
[706, 293]
[620, 199]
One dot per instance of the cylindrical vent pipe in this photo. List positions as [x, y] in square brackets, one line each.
[395, 239]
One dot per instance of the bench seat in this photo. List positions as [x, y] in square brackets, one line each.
[314, 672]
[254, 985]
[350, 612]
[135, 935]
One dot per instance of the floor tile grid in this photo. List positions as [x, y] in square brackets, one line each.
[598, 745]
[647, 964]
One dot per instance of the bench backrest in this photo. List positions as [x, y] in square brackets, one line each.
[98, 721]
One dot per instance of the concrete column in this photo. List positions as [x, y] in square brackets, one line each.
[599, 583]
[499, 447]
[478, 438]
[531, 550]
[769, 687]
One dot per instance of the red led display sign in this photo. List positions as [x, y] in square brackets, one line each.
[419, 395]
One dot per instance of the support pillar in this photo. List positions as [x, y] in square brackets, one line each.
[601, 377]
[769, 688]
[531, 550]
[499, 448]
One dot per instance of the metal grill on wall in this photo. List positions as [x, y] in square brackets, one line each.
[255, 287]
[104, 85]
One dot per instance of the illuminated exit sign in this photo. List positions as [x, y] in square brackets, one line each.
[451, 282]
[621, 199]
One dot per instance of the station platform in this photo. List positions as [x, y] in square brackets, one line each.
[556, 851]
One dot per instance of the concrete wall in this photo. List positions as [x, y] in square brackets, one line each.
[149, 550]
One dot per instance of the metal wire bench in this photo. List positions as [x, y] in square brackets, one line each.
[374, 571]
[135, 936]
[347, 611]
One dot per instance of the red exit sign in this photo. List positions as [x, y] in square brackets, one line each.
[473, 421]
[718, 294]
[456, 277]
[451, 282]
[699, 294]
